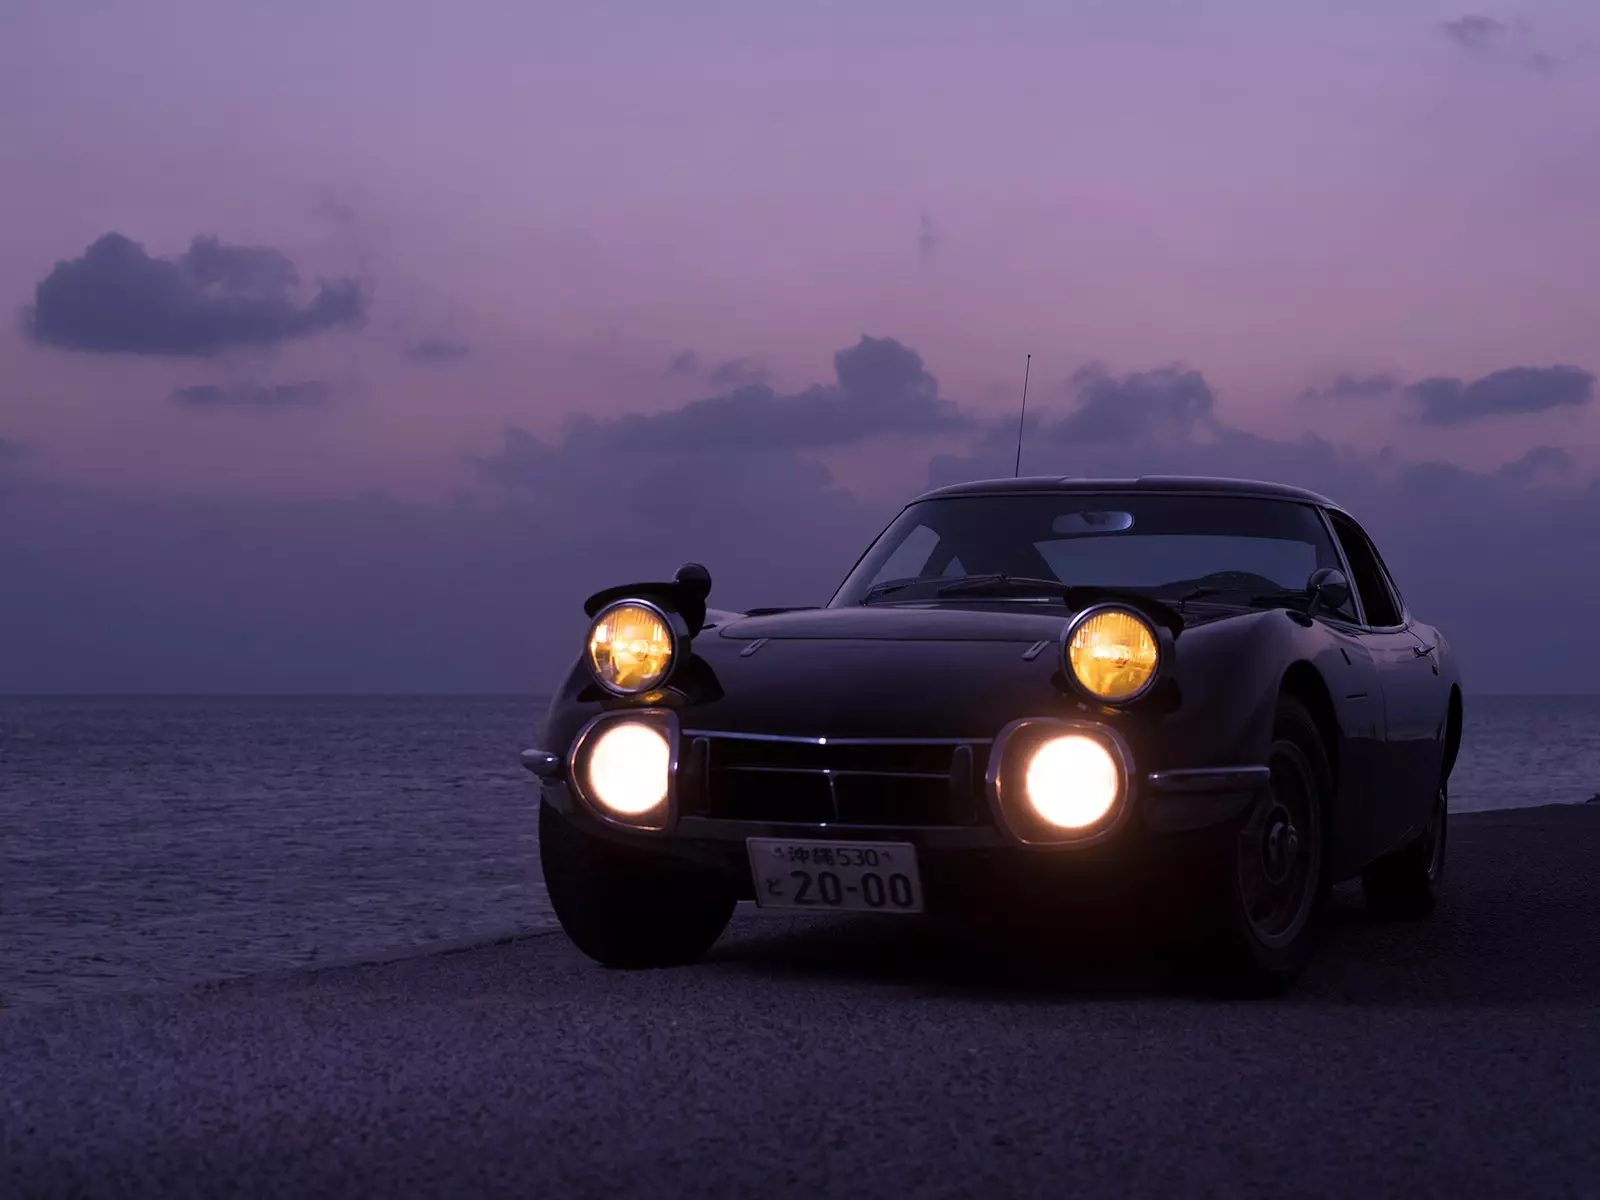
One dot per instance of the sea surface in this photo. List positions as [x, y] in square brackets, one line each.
[152, 841]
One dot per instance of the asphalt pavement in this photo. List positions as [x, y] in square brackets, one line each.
[1451, 1057]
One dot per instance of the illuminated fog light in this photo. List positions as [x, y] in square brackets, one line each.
[1072, 781]
[629, 768]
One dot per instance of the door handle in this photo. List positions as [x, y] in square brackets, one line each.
[1422, 651]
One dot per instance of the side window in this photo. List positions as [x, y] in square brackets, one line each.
[1370, 582]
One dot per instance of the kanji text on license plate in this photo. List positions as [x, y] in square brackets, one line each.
[836, 876]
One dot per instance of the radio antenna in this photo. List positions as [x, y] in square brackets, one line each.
[1027, 367]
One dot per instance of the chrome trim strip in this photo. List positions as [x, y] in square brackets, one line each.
[836, 741]
[839, 771]
[1209, 779]
[956, 837]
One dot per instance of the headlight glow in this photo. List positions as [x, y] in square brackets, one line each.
[629, 768]
[1113, 653]
[1072, 781]
[630, 648]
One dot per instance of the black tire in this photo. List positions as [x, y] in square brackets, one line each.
[1404, 885]
[1255, 926]
[626, 908]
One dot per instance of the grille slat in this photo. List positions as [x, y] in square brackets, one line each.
[854, 782]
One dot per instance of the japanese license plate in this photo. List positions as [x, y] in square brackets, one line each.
[835, 876]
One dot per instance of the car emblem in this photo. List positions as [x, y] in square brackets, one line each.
[1033, 651]
[752, 647]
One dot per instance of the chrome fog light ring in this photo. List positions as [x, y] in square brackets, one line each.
[623, 767]
[1077, 754]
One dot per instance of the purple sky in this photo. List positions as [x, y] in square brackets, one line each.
[1371, 224]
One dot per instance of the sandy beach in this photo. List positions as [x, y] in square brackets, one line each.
[1455, 1056]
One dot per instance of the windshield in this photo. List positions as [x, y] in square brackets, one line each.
[1169, 546]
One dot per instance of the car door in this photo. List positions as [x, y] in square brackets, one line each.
[1413, 697]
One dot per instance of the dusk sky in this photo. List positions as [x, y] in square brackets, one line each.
[349, 345]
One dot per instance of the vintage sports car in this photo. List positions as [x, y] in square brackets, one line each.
[1201, 682]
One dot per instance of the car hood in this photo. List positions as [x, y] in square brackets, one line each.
[892, 672]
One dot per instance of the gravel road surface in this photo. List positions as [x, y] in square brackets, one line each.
[1457, 1056]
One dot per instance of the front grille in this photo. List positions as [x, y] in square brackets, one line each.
[854, 782]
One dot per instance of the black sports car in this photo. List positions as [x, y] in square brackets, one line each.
[1022, 683]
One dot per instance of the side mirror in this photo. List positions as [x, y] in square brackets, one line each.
[695, 578]
[1329, 590]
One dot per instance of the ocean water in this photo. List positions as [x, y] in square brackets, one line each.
[152, 841]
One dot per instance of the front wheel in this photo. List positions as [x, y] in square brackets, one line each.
[1257, 916]
[626, 908]
[1405, 884]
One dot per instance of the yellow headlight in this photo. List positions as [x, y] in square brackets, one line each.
[1113, 653]
[630, 648]
[1072, 781]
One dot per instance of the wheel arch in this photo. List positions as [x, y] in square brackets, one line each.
[1452, 731]
[1305, 683]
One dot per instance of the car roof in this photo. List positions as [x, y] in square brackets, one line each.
[1172, 484]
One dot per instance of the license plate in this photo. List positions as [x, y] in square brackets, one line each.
[835, 876]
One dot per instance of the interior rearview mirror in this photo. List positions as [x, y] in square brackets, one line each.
[1092, 522]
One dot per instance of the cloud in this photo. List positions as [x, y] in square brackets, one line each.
[684, 362]
[117, 299]
[1541, 462]
[1148, 405]
[1513, 391]
[1475, 33]
[437, 350]
[927, 237]
[881, 390]
[1442, 400]
[737, 372]
[1486, 38]
[310, 393]
[482, 593]
[732, 373]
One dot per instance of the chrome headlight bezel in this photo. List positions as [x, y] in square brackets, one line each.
[663, 816]
[1006, 781]
[1161, 636]
[677, 636]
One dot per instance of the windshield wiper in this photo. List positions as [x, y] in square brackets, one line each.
[1288, 598]
[1009, 585]
[887, 586]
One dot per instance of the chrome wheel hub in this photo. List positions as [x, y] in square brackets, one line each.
[1279, 845]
